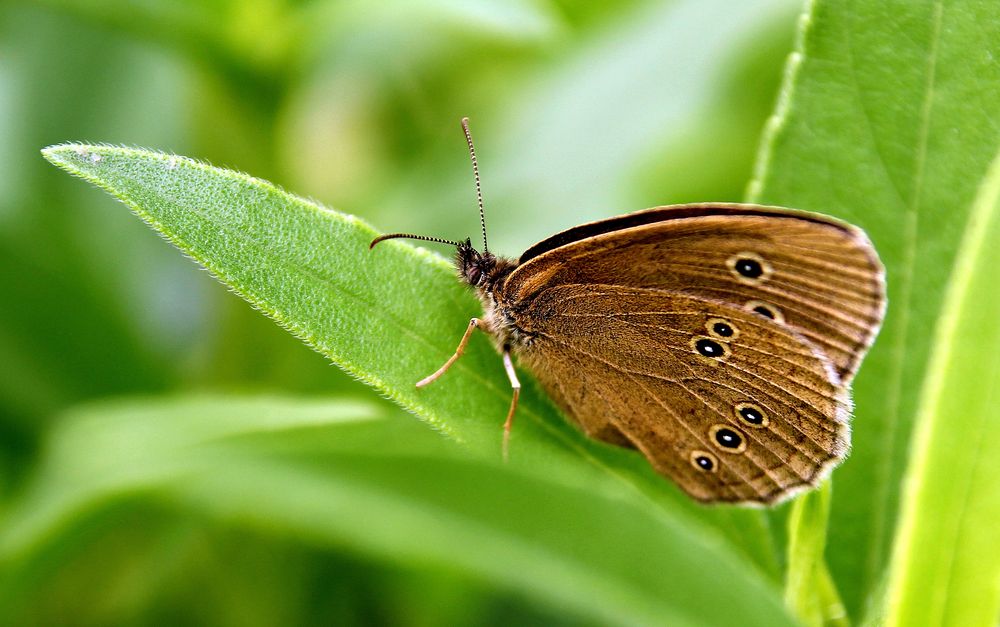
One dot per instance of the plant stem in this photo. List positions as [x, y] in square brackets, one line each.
[810, 592]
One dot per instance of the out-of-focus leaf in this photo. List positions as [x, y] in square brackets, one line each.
[888, 119]
[573, 141]
[329, 473]
[569, 147]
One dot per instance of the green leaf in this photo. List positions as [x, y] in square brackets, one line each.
[888, 119]
[388, 316]
[112, 448]
[332, 474]
[945, 566]
[384, 315]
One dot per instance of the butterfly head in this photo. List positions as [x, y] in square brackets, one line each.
[482, 271]
[474, 268]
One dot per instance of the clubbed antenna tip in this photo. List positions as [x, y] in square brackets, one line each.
[475, 172]
[382, 238]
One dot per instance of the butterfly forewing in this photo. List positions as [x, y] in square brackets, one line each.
[816, 275]
[730, 405]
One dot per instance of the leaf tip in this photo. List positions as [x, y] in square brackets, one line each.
[67, 156]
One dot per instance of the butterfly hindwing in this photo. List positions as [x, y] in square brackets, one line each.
[681, 378]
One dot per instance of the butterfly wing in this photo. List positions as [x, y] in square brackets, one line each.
[729, 405]
[819, 276]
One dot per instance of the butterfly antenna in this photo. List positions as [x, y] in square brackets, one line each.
[382, 238]
[475, 172]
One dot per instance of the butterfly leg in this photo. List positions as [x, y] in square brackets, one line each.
[516, 387]
[473, 325]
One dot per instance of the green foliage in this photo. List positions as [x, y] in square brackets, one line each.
[946, 565]
[887, 118]
[338, 475]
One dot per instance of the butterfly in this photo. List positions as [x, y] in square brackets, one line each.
[718, 339]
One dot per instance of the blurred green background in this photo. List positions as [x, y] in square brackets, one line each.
[580, 110]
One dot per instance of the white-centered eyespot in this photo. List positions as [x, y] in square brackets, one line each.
[704, 461]
[752, 415]
[727, 439]
[722, 329]
[749, 268]
[710, 349]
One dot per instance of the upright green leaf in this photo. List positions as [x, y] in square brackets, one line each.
[888, 119]
[388, 316]
[331, 474]
[946, 563]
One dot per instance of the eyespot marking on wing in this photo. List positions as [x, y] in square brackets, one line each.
[704, 461]
[722, 329]
[710, 350]
[765, 309]
[752, 415]
[749, 268]
[727, 439]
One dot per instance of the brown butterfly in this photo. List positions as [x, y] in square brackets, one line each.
[718, 339]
